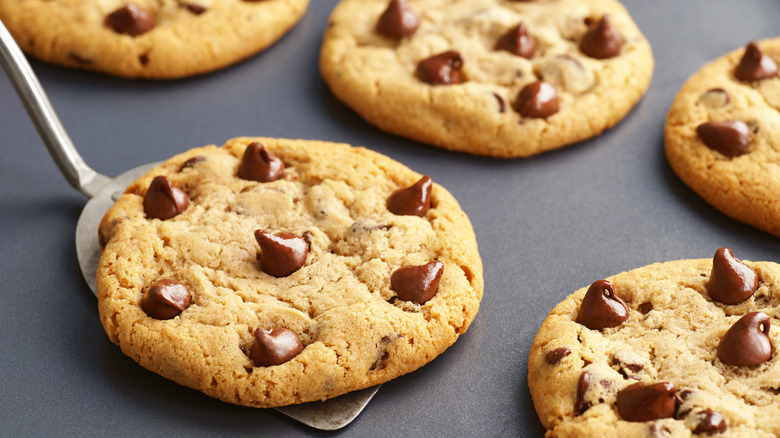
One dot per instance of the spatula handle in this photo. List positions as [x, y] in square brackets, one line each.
[60, 147]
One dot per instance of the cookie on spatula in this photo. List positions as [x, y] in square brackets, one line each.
[268, 272]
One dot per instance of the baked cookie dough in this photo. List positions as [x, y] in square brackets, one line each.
[148, 38]
[675, 349]
[487, 77]
[268, 272]
[721, 134]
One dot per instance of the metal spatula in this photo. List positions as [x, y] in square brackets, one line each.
[102, 191]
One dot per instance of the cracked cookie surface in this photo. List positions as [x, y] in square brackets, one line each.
[354, 330]
[672, 335]
[153, 38]
[376, 75]
[742, 180]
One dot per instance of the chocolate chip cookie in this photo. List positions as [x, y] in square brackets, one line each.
[721, 134]
[670, 349]
[148, 38]
[487, 77]
[268, 272]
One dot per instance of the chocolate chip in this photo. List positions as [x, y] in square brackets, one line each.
[130, 19]
[308, 237]
[580, 405]
[417, 284]
[80, 59]
[380, 361]
[715, 98]
[554, 357]
[601, 41]
[164, 201]
[755, 65]
[386, 339]
[711, 423]
[165, 299]
[645, 307]
[398, 20]
[194, 8]
[412, 201]
[646, 402]
[629, 364]
[731, 281]
[729, 137]
[281, 253]
[274, 346]
[658, 431]
[746, 343]
[601, 308]
[441, 69]
[634, 367]
[518, 42]
[257, 164]
[191, 162]
[501, 102]
[537, 99]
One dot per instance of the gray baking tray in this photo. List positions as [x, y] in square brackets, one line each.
[546, 226]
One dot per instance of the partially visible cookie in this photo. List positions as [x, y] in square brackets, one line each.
[681, 348]
[269, 272]
[721, 134]
[487, 77]
[148, 38]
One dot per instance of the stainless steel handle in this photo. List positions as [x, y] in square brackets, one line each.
[60, 147]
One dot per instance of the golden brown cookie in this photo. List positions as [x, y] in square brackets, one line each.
[681, 348]
[148, 38]
[721, 134]
[269, 272]
[487, 77]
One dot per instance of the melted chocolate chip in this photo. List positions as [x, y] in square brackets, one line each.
[634, 367]
[398, 20]
[746, 343]
[412, 201]
[274, 346]
[164, 201]
[755, 65]
[729, 137]
[580, 405]
[518, 42]
[731, 281]
[645, 307]
[80, 59]
[537, 99]
[711, 423]
[381, 360]
[165, 299]
[417, 284]
[130, 19]
[441, 69]
[601, 41]
[193, 7]
[715, 98]
[281, 253]
[257, 164]
[646, 402]
[601, 308]
[658, 431]
[555, 356]
[501, 103]
[191, 162]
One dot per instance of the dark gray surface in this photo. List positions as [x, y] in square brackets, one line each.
[546, 226]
